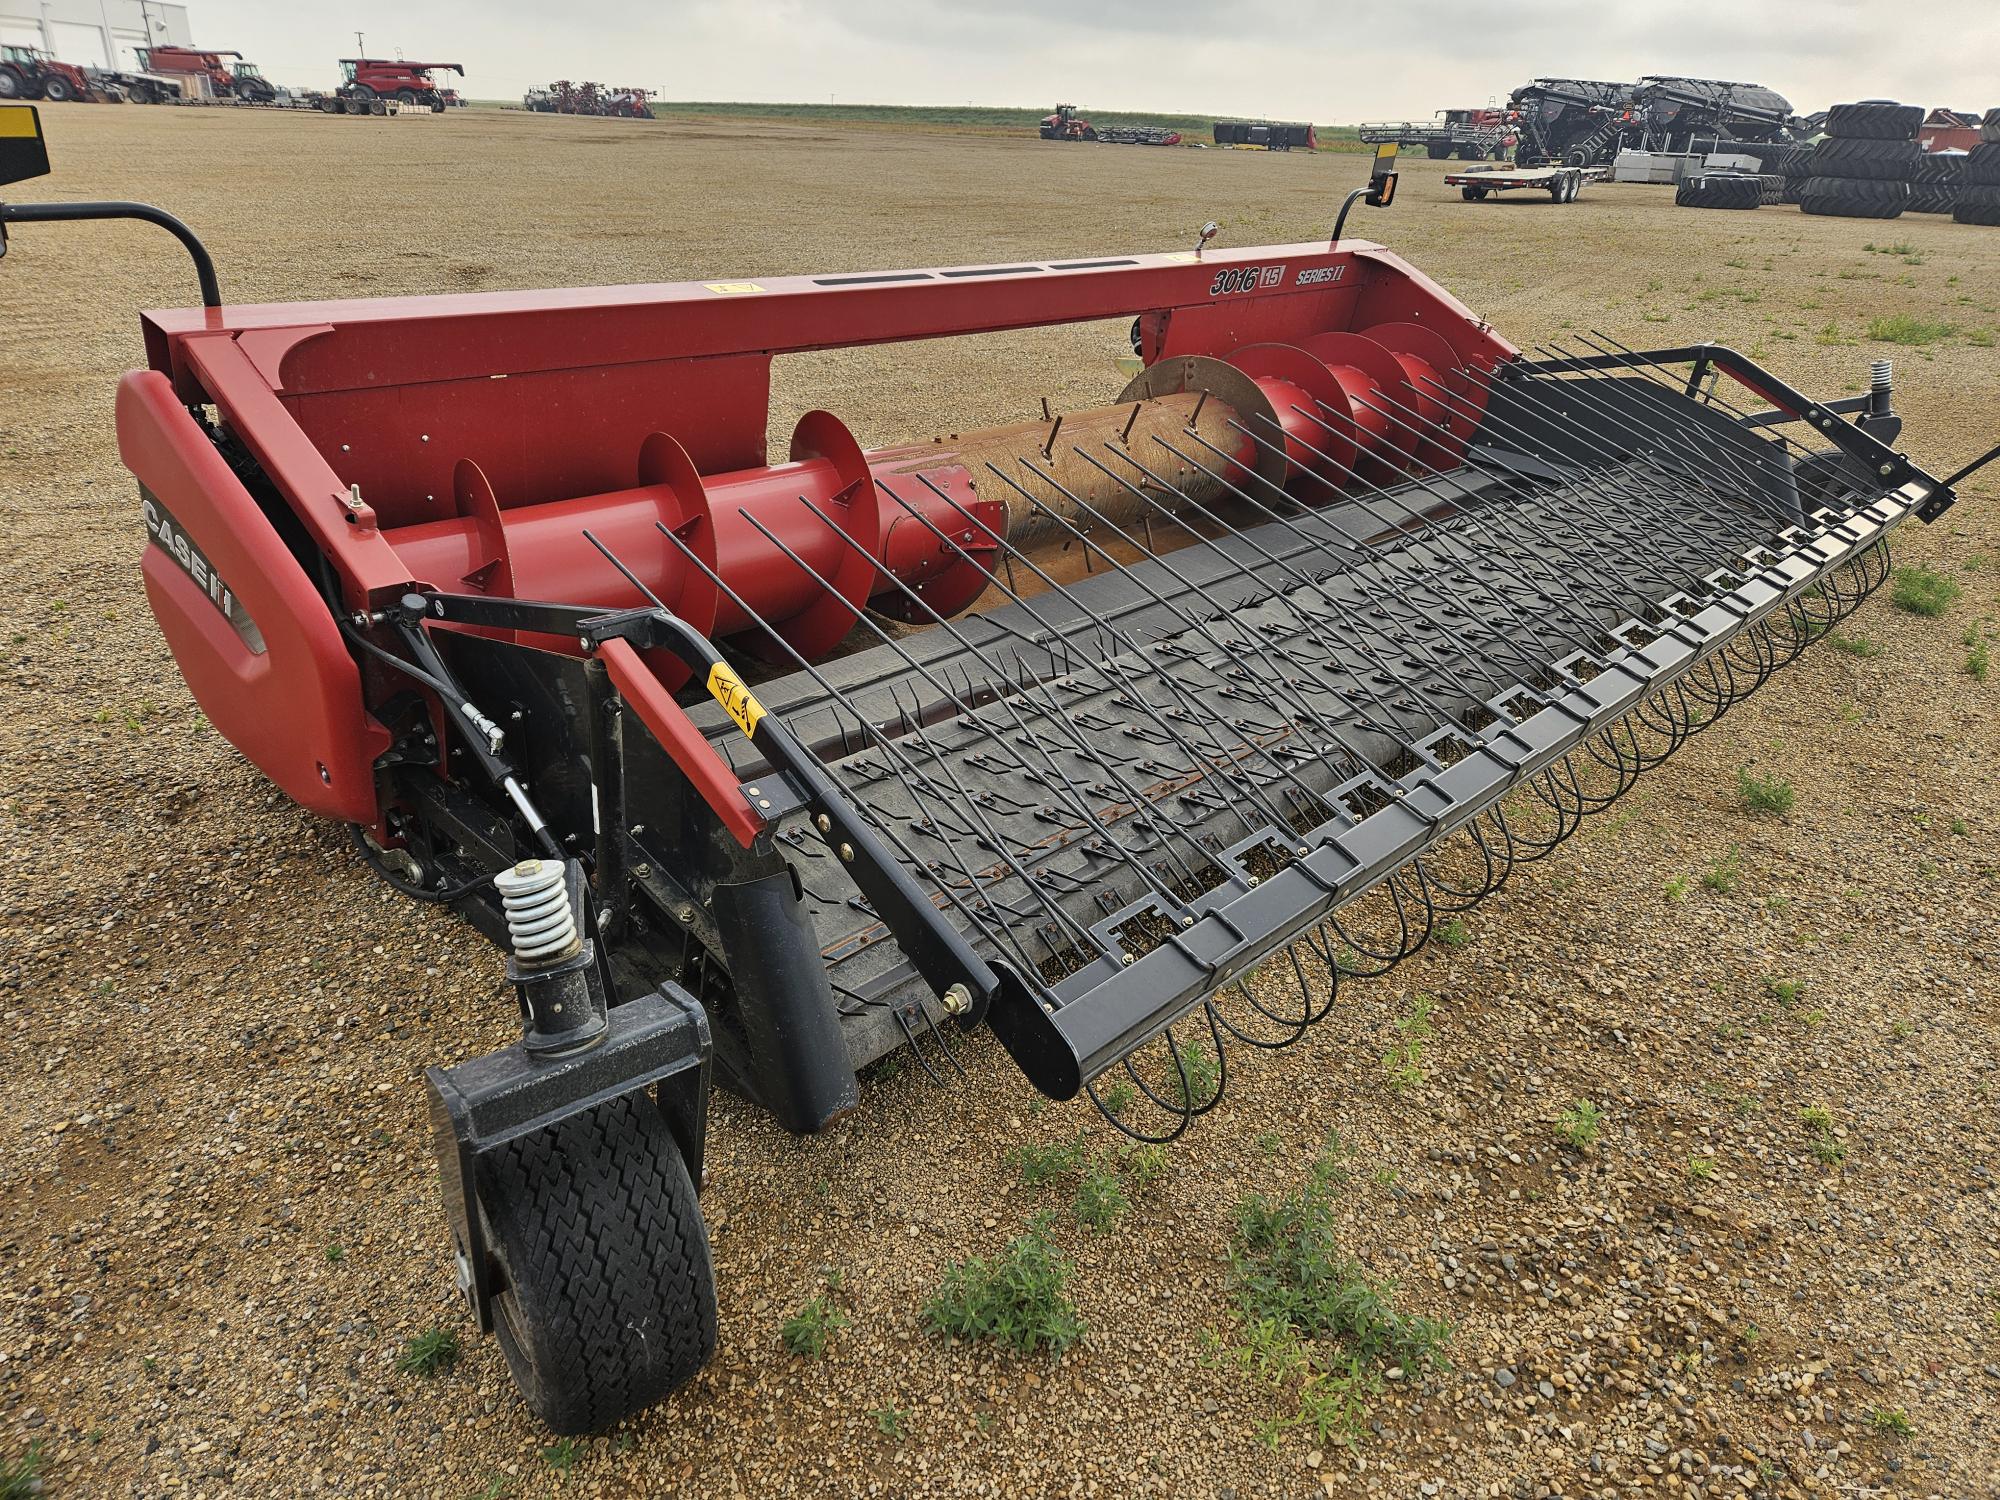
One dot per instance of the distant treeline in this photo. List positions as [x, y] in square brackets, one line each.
[982, 119]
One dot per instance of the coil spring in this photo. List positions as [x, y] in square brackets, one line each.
[535, 897]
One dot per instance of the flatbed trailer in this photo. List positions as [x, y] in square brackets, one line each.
[1562, 184]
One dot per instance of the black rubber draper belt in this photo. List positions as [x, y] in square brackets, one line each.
[1325, 665]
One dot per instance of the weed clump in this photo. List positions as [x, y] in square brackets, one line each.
[1770, 795]
[1580, 1123]
[1315, 1323]
[807, 1332]
[1015, 1299]
[431, 1352]
[1920, 591]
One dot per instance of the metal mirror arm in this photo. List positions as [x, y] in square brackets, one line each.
[52, 213]
[1379, 192]
[24, 154]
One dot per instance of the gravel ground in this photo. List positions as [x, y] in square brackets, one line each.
[221, 1222]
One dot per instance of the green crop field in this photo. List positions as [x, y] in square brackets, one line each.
[950, 118]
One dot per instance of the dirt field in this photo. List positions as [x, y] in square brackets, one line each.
[221, 1220]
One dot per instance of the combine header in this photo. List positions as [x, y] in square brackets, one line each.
[1468, 134]
[1121, 731]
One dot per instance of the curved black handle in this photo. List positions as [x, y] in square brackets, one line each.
[50, 213]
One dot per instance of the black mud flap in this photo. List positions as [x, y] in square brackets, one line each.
[659, 1042]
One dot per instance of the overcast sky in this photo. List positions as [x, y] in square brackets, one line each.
[1292, 59]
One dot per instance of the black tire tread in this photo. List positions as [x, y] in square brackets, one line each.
[1933, 198]
[1854, 198]
[1977, 204]
[1867, 159]
[1718, 190]
[611, 1298]
[1939, 167]
[1982, 166]
[1874, 120]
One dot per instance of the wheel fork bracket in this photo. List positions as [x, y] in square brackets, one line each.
[659, 1041]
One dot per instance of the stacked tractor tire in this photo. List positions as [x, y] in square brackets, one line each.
[1978, 198]
[1720, 190]
[1865, 166]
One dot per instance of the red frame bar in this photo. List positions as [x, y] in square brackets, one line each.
[690, 750]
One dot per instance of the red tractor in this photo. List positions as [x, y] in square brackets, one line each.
[26, 73]
[370, 78]
[1064, 125]
[626, 104]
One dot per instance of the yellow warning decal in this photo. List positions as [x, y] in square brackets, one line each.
[732, 288]
[726, 688]
[18, 122]
[1185, 257]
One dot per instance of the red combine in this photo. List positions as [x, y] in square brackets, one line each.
[1098, 730]
[243, 81]
[366, 79]
[29, 73]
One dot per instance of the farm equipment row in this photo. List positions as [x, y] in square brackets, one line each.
[1126, 732]
[185, 75]
[1271, 135]
[1584, 122]
[1468, 134]
[1066, 125]
[566, 98]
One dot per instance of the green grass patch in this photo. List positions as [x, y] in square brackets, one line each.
[1856, 645]
[21, 1478]
[1100, 1197]
[1770, 796]
[1315, 1324]
[807, 1332]
[1923, 591]
[1725, 876]
[1901, 328]
[1405, 1058]
[431, 1352]
[1579, 1124]
[1193, 1077]
[1015, 1299]
[1044, 1164]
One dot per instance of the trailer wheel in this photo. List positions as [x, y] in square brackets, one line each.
[1472, 194]
[609, 1297]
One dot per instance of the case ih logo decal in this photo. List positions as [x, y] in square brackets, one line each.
[168, 536]
[1320, 275]
[1246, 279]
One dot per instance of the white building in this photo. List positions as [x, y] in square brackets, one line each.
[94, 33]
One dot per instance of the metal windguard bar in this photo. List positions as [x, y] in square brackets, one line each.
[1132, 789]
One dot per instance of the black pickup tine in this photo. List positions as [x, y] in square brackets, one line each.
[1002, 934]
[1054, 714]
